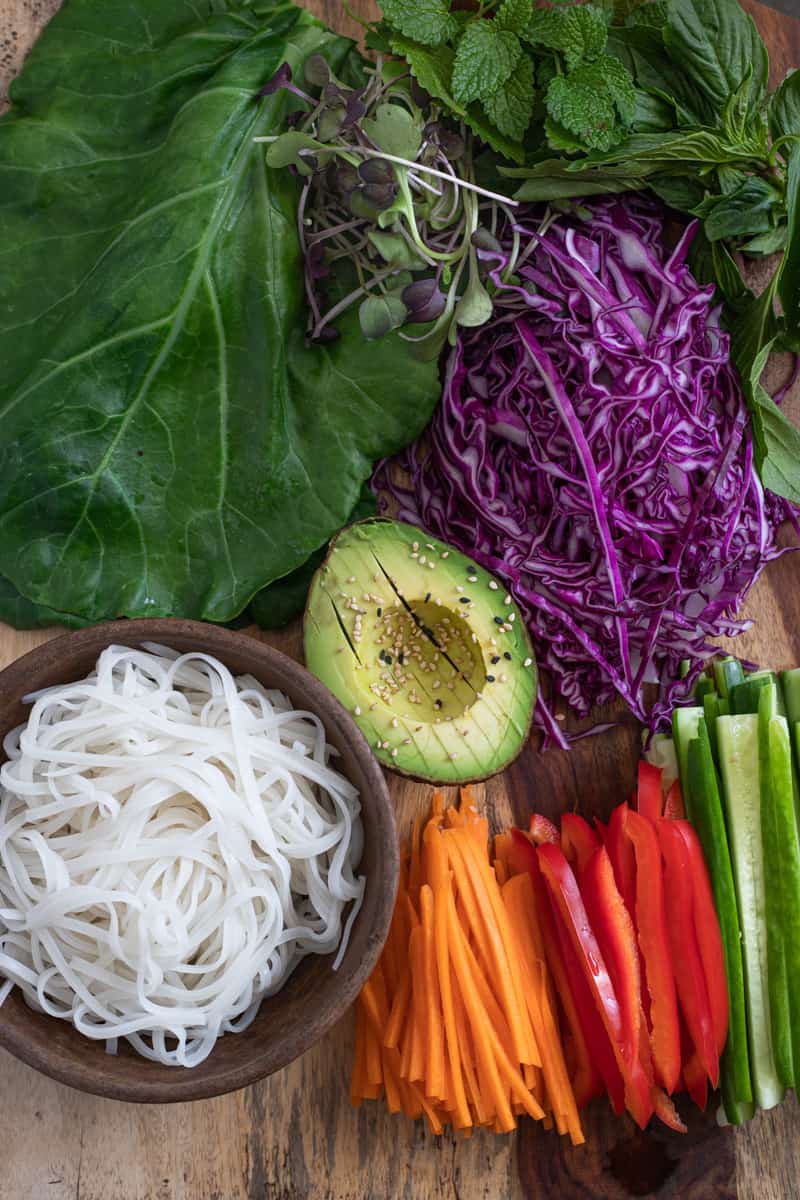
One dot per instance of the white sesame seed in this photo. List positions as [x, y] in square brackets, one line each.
[351, 579]
[493, 585]
[394, 722]
[561, 716]
[527, 662]
[422, 560]
[506, 599]
[431, 564]
[437, 683]
[357, 711]
[512, 616]
[504, 678]
[429, 546]
[445, 554]
[415, 555]
[459, 588]
[394, 752]
[415, 545]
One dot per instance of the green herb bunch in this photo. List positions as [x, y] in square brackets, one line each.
[507, 66]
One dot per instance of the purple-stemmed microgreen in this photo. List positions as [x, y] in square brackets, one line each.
[388, 189]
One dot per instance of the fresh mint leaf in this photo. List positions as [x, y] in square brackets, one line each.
[716, 44]
[579, 33]
[426, 21]
[432, 67]
[488, 132]
[595, 102]
[617, 82]
[560, 138]
[485, 59]
[514, 14]
[511, 107]
[784, 107]
[651, 16]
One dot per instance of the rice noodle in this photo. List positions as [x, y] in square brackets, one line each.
[173, 840]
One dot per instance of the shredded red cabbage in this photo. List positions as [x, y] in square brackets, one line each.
[592, 449]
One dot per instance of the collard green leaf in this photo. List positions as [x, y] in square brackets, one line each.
[485, 58]
[21, 613]
[170, 443]
[427, 21]
[277, 605]
[511, 106]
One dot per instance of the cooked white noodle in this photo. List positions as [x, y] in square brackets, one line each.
[173, 840]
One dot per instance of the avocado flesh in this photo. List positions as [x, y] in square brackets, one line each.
[434, 662]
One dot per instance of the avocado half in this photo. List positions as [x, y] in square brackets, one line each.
[427, 651]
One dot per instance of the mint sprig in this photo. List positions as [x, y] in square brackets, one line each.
[485, 68]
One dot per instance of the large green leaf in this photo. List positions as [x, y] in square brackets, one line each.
[170, 444]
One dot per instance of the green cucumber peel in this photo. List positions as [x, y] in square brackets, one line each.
[739, 761]
[709, 821]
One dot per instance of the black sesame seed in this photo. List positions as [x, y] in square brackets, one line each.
[495, 660]
[387, 658]
[490, 678]
[401, 658]
[498, 621]
[380, 612]
[427, 597]
[465, 599]
[437, 704]
[507, 655]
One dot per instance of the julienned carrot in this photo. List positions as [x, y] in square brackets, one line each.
[435, 1040]
[452, 1024]
[494, 919]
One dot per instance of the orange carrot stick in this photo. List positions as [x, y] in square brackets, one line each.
[416, 954]
[434, 1073]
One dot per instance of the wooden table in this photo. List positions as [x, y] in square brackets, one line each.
[295, 1136]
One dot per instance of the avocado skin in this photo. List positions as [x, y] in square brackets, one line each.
[367, 559]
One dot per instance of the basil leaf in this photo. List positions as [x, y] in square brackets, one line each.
[717, 44]
[746, 211]
[789, 279]
[683, 192]
[170, 443]
[784, 107]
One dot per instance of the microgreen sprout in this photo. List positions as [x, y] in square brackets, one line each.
[389, 201]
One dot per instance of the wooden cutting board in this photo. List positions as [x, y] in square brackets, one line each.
[294, 1136]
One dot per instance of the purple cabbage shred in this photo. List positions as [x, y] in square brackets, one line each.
[592, 450]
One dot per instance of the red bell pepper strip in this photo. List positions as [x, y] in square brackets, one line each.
[602, 830]
[648, 793]
[616, 937]
[687, 962]
[623, 860]
[567, 902]
[655, 946]
[542, 830]
[586, 1080]
[709, 937]
[696, 1080]
[673, 805]
[578, 842]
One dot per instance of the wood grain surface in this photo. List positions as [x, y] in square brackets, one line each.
[294, 1136]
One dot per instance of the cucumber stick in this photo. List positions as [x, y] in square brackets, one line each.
[738, 741]
[727, 673]
[775, 900]
[790, 683]
[684, 729]
[709, 822]
[782, 788]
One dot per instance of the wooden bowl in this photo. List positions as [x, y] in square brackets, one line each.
[314, 997]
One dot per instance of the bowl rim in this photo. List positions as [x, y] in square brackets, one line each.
[187, 1086]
